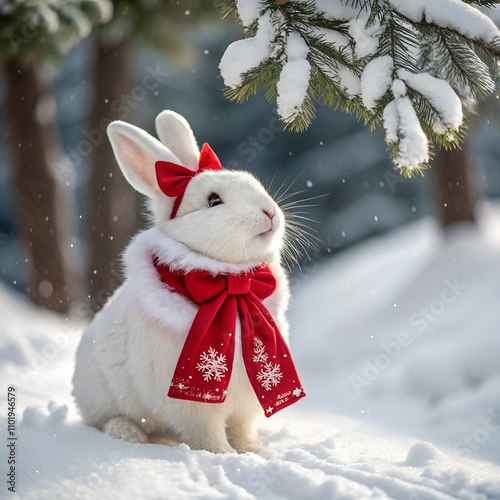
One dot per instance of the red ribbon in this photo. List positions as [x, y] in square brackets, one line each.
[204, 367]
[173, 178]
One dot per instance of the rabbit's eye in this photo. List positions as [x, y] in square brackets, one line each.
[214, 200]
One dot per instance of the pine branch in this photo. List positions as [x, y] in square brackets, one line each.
[47, 29]
[397, 40]
[363, 4]
[228, 10]
[429, 115]
[264, 76]
[337, 49]
[460, 65]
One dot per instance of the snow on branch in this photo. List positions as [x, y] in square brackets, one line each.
[294, 78]
[403, 130]
[412, 67]
[48, 28]
[454, 14]
[245, 55]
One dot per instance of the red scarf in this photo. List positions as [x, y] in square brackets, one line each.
[204, 368]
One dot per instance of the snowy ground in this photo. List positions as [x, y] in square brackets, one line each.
[397, 342]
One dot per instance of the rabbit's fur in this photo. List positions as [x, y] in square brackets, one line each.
[128, 354]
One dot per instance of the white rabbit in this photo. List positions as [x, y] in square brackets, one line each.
[127, 356]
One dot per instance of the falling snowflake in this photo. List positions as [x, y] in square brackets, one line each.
[270, 376]
[213, 365]
[260, 355]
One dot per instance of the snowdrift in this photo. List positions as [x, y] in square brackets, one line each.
[397, 343]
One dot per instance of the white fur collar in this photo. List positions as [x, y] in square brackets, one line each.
[179, 256]
[156, 302]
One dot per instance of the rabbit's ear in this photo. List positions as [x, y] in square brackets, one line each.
[175, 133]
[137, 152]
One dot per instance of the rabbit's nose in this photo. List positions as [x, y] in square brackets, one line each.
[269, 213]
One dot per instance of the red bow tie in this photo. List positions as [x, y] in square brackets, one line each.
[173, 178]
[204, 367]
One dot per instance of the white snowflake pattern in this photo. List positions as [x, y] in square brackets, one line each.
[213, 365]
[270, 375]
[209, 396]
[260, 355]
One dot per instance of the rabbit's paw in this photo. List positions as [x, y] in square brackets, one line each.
[245, 443]
[124, 429]
[241, 435]
[210, 443]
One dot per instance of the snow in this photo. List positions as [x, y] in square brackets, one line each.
[444, 373]
[401, 125]
[376, 80]
[349, 80]
[453, 14]
[332, 37]
[292, 88]
[82, 23]
[439, 93]
[105, 10]
[296, 47]
[243, 55]
[398, 89]
[413, 143]
[44, 15]
[248, 10]
[391, 122]
[294, 78]
[366, 39]
[337, 9]
[426, 426]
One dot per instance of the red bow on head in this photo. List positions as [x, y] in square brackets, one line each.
[204, 367]
[173, 178]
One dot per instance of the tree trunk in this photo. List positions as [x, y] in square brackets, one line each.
[111, 211]
[454, 187]
[38, 201]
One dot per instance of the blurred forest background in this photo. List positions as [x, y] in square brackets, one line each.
[65, 210]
